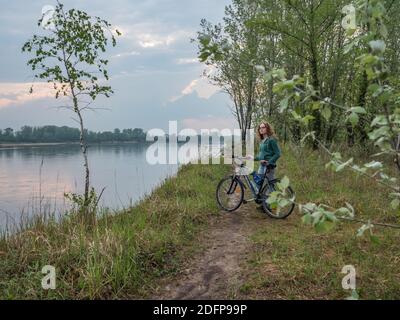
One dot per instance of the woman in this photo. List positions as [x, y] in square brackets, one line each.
[269, 151]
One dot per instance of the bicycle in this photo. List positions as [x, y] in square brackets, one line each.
[232, 189]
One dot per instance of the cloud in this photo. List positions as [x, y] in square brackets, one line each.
[153, 40]
[126, 54]
[153, 61]
[18, 93]
[153, 35]
[201, 86]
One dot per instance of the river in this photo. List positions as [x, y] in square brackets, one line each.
[33, 179]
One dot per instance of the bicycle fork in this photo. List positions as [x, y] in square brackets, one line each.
[233, 187]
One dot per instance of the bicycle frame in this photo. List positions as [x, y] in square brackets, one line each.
[243, 178]
[248, 185]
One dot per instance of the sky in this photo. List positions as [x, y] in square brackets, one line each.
[153, 69]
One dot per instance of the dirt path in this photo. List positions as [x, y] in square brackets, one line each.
[216, 272]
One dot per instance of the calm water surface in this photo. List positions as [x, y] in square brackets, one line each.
[34, 179]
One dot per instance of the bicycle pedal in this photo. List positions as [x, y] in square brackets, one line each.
[245, 202]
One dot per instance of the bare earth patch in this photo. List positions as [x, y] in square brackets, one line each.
[216, 273]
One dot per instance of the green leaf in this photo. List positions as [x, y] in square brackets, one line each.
[317, 216]
[368, 59]
[378, 46]
[330, 216]
[371, 73]
[283, 203]
[395, 204]
[307, 219]
[268, 76]
[379, 133]
[272, 198]
[379, 120]
[296, 116]
[358, 110]
[324, 226]
[326, 113]
[307, 119]
[316, 105]
[284, 104]
[374, 165]
[279, 73]
[204, 40]
[285, 183]
[308, 208]
[204, 56]
[260, 69]
[375, 89]
[353, 119]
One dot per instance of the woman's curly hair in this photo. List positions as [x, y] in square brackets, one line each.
[270, 130]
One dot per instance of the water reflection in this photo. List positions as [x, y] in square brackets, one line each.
[34, 179]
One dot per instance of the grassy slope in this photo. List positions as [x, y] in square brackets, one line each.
[124, 255]
[289, 260]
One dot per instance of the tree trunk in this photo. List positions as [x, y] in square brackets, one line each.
[350, 135]
[317, 125]
[83, 146]
[363, 135]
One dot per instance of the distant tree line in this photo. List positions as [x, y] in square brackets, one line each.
[45, 134]
[48, 134]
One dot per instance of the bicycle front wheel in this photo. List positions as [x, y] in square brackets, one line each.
[282, 212]
[230, 194]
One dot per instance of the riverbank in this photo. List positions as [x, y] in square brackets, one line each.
[246, 255]
[49, 144]
[45, 144]
[38, 144]
[177, 244]
[124, 254]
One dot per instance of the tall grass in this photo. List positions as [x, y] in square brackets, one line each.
[290, 260]
[125, 254]
[122, 255]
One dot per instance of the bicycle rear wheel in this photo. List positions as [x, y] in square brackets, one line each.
[230, 194]
[278, 213]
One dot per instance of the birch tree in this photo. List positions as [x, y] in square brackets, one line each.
[68, 54]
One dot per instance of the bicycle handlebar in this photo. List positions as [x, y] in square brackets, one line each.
[269, 166]
[239, 158]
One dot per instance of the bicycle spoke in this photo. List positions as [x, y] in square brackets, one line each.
[282, 212]
[230, 194]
